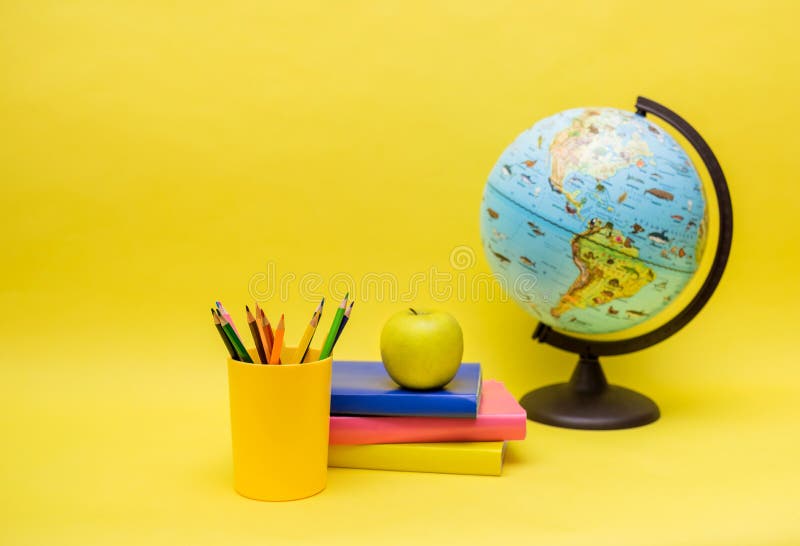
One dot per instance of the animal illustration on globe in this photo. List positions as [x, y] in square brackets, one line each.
[605, 208]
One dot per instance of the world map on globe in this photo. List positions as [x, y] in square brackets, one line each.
[602, 212]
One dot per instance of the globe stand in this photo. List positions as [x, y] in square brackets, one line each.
[588, 401]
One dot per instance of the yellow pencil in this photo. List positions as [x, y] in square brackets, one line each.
[277, 345]
[305, 341]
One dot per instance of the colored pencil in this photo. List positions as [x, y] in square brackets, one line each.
[227, 317]
[262, 334]
[265, 325]
[235, 341]
[345, 318]
[225, 340]
[261, 318]
[318, 313]
[275, 357]
[256, 333]
[337, 321]
[305, 341]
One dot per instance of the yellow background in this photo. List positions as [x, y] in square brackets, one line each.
[156, 156]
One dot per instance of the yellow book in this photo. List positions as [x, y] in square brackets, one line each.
[482, 458]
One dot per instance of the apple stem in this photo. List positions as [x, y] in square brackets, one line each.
[412, 310]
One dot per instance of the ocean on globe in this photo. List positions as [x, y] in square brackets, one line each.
[601, 213]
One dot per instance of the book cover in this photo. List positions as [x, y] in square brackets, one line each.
[480, 458]
[364, 388]
[500, 417]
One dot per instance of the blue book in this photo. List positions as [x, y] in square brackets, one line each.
[364, 388]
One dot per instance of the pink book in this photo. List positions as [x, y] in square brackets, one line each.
[500, 417]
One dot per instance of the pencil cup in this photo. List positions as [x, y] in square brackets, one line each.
[280, 416]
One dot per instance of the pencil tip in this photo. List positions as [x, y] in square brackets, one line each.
[247, 308]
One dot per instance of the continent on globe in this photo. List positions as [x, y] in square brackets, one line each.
[650, 214]
[592, 145]
[608, 269]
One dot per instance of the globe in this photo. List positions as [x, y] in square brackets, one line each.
[594, 220]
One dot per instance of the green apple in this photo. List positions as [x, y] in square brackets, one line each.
[422, 350]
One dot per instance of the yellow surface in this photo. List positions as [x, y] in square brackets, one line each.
[156, 156]
[279, 427]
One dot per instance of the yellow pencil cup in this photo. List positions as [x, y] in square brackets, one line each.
[280, 416]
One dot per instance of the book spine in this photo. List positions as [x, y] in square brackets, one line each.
[348, 430]
[408, 406]
[481, 458]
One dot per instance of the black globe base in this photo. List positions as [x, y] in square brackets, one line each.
[588, 402]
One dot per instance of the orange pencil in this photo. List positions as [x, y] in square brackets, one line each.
[265, 325]
[275, 357]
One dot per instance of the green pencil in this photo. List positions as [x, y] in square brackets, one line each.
[237, 343]
[345, 318]
[337, 321]
[225, 339]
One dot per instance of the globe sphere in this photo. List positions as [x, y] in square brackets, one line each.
[594, 220]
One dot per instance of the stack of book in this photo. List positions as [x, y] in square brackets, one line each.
[460, 429]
